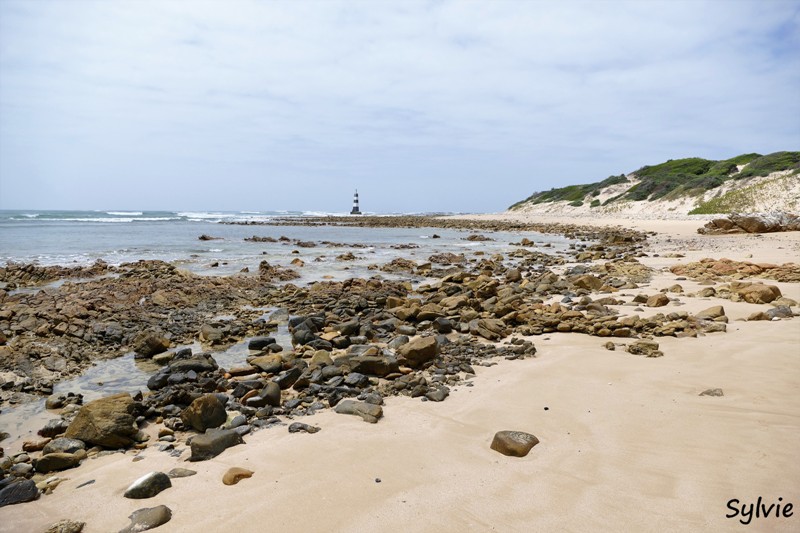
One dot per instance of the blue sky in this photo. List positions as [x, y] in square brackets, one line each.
[422, 106]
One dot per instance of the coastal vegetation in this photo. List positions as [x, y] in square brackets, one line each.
[673, 179]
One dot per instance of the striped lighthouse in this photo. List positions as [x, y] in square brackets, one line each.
[355, 210]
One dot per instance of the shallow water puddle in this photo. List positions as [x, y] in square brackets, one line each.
[113, 376]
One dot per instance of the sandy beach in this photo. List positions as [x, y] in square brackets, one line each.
[626, 443]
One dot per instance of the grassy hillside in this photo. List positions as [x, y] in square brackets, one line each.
[673, 179]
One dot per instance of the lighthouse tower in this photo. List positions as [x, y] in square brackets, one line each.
[355, 210]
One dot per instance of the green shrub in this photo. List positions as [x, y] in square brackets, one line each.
[768, 164]
[595, 203]
[576, 203]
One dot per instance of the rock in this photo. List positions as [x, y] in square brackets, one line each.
[442, 325]
[712, 392]
[213, 443]
[18, 491]
[657, 300]
[779, 311]
[66, 526]
[211, 334]
[63, 445]
[757, 293]
[54, 462]
[236, 474]
[752, 223]
[204, 412]
[148, 518]
[369, 412]
[35, 445]
[180, 472]
[513, 443]
[646, 348]
[271, 364]
[55, 426]
[489, 328]
[259, 343]
[437, 395]
[148, 486]
[373, 365]
[107, 422]
[588, 282]
[711, 313]
[149, 343]
[419, 351]
[297, 427]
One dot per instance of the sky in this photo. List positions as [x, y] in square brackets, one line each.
[433, 106]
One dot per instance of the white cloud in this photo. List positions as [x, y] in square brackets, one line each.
[520, 95]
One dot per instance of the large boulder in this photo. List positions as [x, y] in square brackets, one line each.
[204, 412]
[757, 293]
[419, 351]
[107, 422]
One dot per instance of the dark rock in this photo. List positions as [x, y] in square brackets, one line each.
[514, 443]
[369, 412]
[204, 412]
[213, 443]
[148, 486]
[63, 445]
[54, 427]
[297, 427]
[107, 422]
[438, 395]
[259, 343]
[442, 325]
[374, 365]
[148, 518]
[18, 491]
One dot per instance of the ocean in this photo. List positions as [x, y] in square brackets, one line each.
[82, 237]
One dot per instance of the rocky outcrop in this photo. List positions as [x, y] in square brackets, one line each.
[752, 223]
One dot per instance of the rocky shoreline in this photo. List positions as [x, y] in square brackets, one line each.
[353, 343]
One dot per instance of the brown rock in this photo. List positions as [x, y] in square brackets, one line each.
[658, 300]
[419, 351]
[204, 412]
[757, 293]
[107, 422]
[514, 443]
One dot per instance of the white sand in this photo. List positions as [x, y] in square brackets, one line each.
[626, 445]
